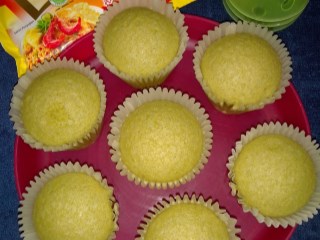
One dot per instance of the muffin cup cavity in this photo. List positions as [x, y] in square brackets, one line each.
[159, 6]
[25, 81]
[27, 229]
[311, 147]
[149, 95]
[174, 200]
[229, 28]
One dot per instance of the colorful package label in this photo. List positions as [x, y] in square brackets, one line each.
[41, 29]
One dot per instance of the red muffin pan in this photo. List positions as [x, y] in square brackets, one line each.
[212, 182]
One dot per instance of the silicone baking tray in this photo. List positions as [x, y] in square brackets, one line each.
[212, 181]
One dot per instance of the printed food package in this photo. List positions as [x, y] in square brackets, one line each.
[34, 30]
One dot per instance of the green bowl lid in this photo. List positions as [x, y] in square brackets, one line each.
[269, 10]
[274, 26]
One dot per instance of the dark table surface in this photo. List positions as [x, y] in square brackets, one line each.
[302, 40]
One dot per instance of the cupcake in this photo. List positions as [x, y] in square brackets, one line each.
[274, 173]
[140, 41]
[58, 106]
[242, 67]
[160, 138]
[68, 201]
[187, 218]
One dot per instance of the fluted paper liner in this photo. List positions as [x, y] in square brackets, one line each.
[174, 200]
[25, 81]
[136, 100]
[159, 6]
[229, 28]
[310, 209]
[27, 229]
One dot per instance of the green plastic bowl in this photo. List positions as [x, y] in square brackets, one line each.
[274, 26]
[269, 10]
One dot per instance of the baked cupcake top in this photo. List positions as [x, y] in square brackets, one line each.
[161, 141]
[275, 175]
[73, 206]
[139, 41]
[186, 221]
[241, 69]
[60, 107]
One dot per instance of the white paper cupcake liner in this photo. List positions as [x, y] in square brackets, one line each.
[27, 229]
[174, 200]
[229, 28]
[310, 209]
[136, 100]
[25, 81]
[159, 6]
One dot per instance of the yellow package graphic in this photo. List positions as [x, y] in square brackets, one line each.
[34, 30]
